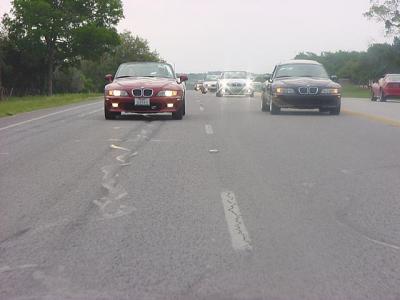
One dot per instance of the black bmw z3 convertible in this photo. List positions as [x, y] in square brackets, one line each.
[301, 84]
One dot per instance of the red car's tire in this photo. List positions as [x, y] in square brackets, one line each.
[373, 97]
[383, 97]
[178, 115]
[110, 115]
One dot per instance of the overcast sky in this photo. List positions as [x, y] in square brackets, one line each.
[253, 35]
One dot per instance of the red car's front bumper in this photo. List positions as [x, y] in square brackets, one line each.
[157, 105]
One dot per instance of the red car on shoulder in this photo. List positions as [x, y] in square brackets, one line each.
[145, 88]
[386, 87]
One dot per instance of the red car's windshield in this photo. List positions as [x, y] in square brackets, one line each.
[145, 70]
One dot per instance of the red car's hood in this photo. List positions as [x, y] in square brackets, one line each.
[144, 82]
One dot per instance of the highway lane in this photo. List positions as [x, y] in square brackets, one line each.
[230, 203]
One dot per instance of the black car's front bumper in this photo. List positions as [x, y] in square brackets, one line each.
[306, 102]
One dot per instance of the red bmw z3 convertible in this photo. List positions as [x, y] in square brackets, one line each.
[386, 87]
[145, 88]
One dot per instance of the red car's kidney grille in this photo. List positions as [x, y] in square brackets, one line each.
[137, 92]
[142, 92]
[147, 92]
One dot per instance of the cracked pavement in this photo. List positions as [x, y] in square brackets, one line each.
[152, 208]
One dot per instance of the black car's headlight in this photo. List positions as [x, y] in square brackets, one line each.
[284, 91]
[330, 91]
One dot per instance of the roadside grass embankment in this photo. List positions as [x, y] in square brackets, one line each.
[355, 91]
[15, 105]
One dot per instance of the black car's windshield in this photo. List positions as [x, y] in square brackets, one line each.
[145, 70]
[235, 75]
[301, 70]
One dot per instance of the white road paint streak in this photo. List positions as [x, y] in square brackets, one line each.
[382, 243]
[112, 146]
[238, 232]
[213, 150]
[201, 107]
[11, 269]
[209, 129]
[46, 116]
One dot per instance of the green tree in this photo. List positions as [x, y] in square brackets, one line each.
[388, 12]
[2, 42]
[63, 31]
[132, 48]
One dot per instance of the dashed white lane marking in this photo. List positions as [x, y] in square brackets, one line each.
[201, 107]
[209, 129]
[239, 235]
[213, 150]
[46, 116]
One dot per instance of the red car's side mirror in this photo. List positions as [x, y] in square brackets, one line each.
[183, 78]
[109, 78]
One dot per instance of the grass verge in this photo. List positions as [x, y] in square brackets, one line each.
[16, 105]
[354, 91]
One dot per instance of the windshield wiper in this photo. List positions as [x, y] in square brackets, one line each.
[124, 76]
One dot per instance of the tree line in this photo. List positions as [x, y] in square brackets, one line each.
[360, 67]
[60, 46]
[379, 59]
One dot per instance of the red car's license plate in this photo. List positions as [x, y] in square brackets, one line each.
[142, 101]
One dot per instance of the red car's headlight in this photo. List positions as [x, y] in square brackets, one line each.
[167, 93]
[117, 93]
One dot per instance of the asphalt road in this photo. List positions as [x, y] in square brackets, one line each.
[230, 203]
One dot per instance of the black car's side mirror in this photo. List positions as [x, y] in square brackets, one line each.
[334, 78]
[267, 77]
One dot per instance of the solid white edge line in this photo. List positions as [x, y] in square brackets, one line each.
[237, 230]
[46, 116]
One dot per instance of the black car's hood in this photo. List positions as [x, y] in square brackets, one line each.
[305, 81]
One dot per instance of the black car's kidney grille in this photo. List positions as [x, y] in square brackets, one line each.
[137, 92]
[313, 90]
[303, 91]
[308, 90]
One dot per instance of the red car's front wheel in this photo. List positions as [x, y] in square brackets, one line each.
[109, 115]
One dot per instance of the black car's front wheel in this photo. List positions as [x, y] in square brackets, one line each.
[264, 106]
[383, 97]
[335, 111]
[273, 108]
